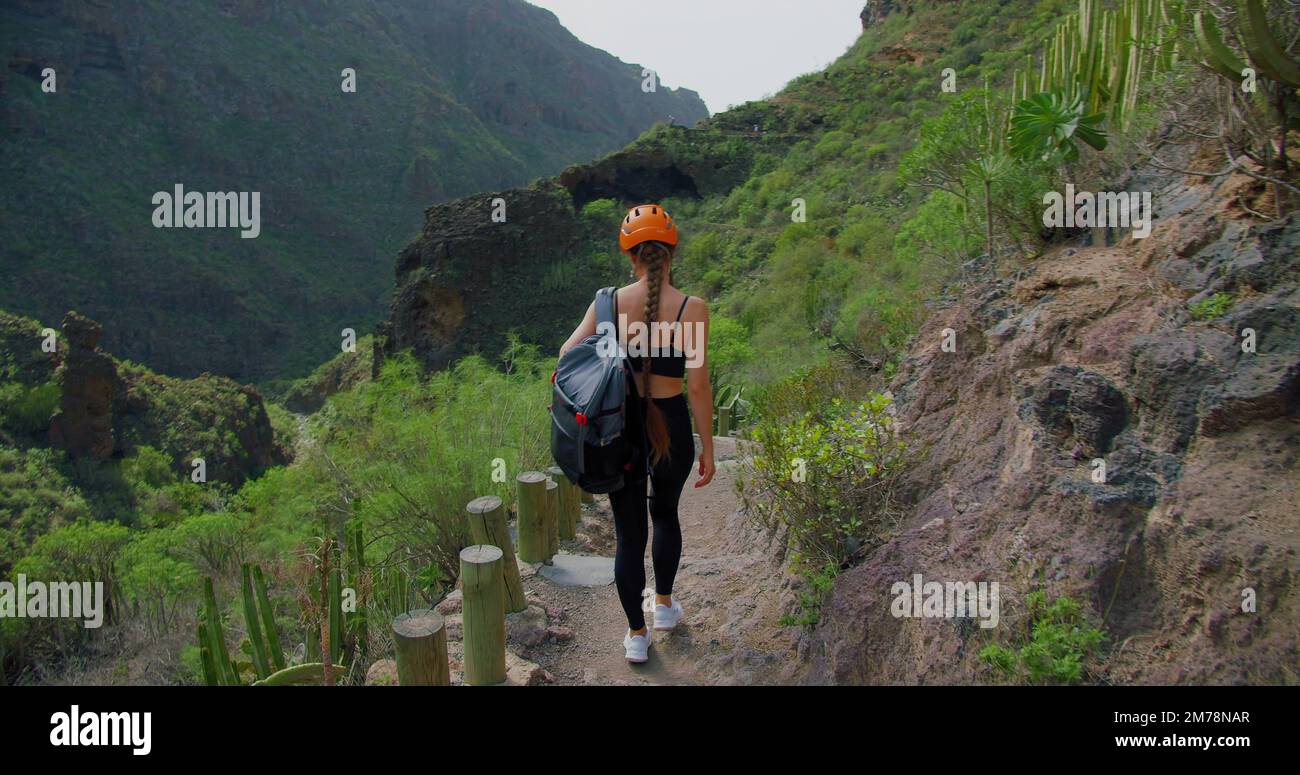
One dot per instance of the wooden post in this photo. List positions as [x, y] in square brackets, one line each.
[484, 615]
[531, 486]
[586, 496]
[487, 525]
[570, 505]
[420, 643]
[552, 518]
[724, 420]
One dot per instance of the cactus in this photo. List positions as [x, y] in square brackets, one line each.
[311, 643]
[262, 644]
[331, 606]
[356, 622]
[268, 619]
[1264, 49]
[1218, 57]
[336, 614]
[391, 588]
[1257, 41]
[258, 649]
[1266, 53]
[1101, 55]
[213, 634]
[210, 675]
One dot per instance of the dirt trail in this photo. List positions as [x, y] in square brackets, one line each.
[727, 583]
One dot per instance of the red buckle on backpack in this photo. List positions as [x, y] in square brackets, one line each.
[580, 418]
[553, 376]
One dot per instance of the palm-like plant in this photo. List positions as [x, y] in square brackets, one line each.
[1048, 126]
[989, 169]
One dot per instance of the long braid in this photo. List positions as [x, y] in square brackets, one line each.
[656, 425]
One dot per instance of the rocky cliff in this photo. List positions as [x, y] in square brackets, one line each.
[1101, 353]
[527, 260]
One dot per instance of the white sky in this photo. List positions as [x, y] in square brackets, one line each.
[730, 51]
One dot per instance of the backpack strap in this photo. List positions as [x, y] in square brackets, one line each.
[607, 313]
[606, 305]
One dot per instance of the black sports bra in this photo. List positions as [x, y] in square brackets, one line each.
[673, 365]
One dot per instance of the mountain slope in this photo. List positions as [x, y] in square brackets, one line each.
[203, 94]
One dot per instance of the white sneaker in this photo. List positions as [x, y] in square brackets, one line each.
[637, 646]
[667, 617]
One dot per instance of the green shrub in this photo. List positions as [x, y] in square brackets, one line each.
[1053, 646]
[562, 275]
[155, 579]
[148, 468]
[284, 424]
[939, 233]
[602, 215]
[827, 478]
[1211, 306]
[808, 604]
[406, 452]
[26, 409]
[35, 497]
[729, 345]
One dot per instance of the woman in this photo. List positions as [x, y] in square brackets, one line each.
[657, 408]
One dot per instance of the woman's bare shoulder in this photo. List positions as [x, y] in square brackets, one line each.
[697, 308]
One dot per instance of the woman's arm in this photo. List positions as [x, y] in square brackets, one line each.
[699, 391]
[585, 329]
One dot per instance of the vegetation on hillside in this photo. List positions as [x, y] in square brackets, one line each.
[399, 456]
[249, 97]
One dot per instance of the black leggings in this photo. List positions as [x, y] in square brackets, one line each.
[629, 506]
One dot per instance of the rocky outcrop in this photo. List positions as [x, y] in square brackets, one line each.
[108, 408]
[1090, 437]
[676, 162]
[469, 280]
[527, 260]
[875, 11]
[83, 424]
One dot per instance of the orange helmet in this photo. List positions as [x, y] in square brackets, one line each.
[644, 223]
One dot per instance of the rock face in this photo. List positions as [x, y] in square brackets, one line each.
[83, 424]
[528, 260]
[1093, 356]
[875, 11]
[469, 279]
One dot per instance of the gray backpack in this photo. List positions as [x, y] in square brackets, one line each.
[589, 408]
